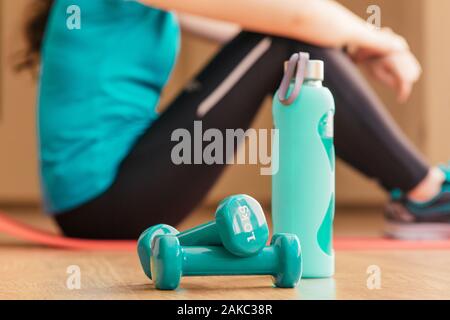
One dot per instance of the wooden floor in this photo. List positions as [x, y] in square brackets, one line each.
[30, 272]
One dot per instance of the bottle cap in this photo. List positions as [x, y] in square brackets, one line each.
[314, 70]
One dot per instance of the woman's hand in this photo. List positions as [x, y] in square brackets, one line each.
[398, 69]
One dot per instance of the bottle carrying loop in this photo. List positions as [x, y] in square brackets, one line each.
[298, 63]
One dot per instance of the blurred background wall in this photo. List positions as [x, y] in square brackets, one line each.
[424, 118]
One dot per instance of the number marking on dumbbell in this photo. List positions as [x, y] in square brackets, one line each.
[246, 223]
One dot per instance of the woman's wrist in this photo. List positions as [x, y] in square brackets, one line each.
[383, 41]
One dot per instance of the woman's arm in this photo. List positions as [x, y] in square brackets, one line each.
[320, 22]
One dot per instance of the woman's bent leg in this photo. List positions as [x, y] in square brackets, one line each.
[151, 188]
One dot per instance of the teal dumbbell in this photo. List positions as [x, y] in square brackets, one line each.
[170, 261]
[239, 225]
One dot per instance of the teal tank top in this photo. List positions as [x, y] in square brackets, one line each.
[98, 91]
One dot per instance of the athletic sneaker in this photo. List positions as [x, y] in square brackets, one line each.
[408, 220]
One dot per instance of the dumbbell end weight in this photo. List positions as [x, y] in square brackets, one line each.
[290, 260]
[242, 225]
[166, 262]
[145, 243]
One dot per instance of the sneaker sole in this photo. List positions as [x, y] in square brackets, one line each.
[417, 231]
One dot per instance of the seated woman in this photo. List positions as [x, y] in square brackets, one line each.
[105, 153]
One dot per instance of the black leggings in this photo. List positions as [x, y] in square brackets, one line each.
[150, 189]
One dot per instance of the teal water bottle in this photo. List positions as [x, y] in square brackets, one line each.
[303, 188]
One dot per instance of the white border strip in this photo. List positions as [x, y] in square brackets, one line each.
[234, 76]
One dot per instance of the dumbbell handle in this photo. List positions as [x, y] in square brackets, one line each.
[210, 260]
[205, 235]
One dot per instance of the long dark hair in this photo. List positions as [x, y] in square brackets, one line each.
[34, 33]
